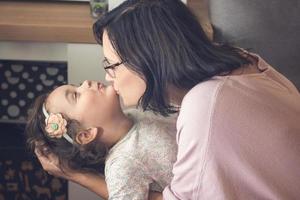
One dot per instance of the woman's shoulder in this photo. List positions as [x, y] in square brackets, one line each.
[203, 92]
[199, 104]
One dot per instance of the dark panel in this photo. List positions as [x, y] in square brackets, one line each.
[268, 27]
[21, 175]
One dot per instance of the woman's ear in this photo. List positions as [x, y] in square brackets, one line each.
[86, 136]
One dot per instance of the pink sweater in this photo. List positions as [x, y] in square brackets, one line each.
[238, 138]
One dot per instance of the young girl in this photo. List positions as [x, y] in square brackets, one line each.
[85, 125]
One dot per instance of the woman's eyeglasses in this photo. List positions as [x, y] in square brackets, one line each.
[110, 68]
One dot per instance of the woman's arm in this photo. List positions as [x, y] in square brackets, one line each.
[91, 181]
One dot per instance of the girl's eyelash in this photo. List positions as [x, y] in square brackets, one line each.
[75, 96]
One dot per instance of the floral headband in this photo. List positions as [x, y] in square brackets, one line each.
[56, 125]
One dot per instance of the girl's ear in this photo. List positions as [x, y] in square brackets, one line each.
[86, 136]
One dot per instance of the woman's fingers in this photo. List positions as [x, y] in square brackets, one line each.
[50, 163]
[53, 158]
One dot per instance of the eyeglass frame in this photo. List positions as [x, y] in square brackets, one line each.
[110, 69]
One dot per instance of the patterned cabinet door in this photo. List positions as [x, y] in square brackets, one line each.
[21, 175]
[22, 81]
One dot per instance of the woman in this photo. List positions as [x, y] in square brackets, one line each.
[238, 126]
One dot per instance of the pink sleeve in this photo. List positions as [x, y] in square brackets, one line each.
[238, 138]
[193, 138]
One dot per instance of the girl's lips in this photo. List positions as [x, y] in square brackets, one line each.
[100, 86]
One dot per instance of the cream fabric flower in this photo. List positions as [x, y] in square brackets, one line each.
[55, 125]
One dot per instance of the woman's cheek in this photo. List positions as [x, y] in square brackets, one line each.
[134, 96]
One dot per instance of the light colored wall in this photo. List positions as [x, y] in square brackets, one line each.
[33, 51]
[84, 62]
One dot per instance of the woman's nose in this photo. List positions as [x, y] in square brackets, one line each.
[108, 77]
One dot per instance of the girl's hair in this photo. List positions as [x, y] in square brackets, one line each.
[89, 157]
[163, 42]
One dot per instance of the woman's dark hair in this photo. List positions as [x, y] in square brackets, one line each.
[89, 157]
[163, 42]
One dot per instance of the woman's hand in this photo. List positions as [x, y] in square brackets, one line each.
[50, 164]
[93, 182]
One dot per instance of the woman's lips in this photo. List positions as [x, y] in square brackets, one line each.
[102, 86]
[117, 91]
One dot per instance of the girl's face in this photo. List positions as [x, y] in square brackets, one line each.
[92, 104]
[128, 84]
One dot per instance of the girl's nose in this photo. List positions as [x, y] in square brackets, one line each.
[86, 84]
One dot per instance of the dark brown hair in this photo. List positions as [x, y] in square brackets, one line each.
[163, 42]
[89, 157]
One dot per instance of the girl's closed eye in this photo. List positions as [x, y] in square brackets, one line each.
[75, 96]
